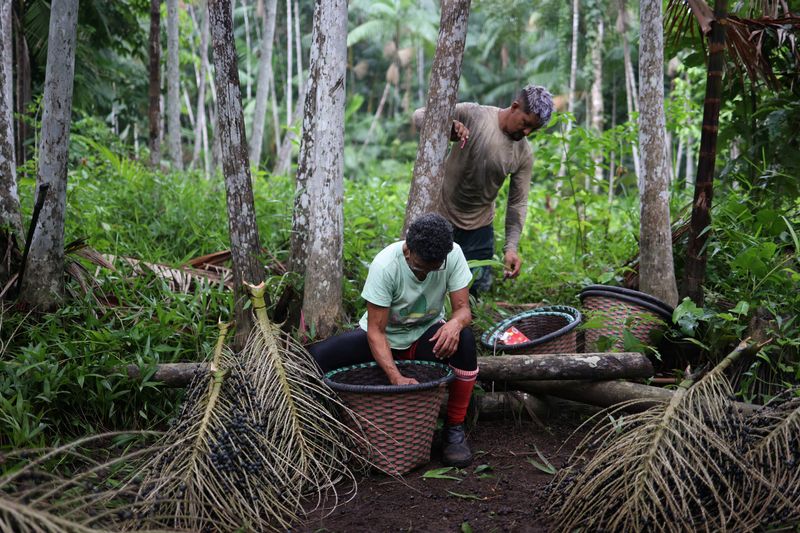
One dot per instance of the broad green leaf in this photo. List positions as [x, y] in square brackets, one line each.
[440, 473]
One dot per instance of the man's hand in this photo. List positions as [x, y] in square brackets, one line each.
[512, 264]
[402, 380]
[459, 133]
[446, 339]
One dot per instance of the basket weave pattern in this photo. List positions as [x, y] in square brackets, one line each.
[620, 316]
[550, 329]
[397, 425]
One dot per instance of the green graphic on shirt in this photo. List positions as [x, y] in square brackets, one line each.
[418, 310]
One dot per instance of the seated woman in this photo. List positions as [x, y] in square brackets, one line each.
[405, 291]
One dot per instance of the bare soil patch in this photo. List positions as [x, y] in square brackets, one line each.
[501, 491]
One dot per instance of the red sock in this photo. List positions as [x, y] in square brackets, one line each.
[460, 391]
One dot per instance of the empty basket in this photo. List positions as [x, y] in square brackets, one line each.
[621, 310]
[550, 329]
[397, 420]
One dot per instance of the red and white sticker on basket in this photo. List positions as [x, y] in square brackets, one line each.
[513, 336]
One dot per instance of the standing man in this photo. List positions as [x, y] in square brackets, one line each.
[489, 149]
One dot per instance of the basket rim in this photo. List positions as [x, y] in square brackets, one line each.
[633, 293]
[489, 337]
[388, 389]
[658, 310]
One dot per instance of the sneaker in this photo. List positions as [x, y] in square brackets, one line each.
[455, 450]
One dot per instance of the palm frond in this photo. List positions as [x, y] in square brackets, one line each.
[672, 467]
[259, 440]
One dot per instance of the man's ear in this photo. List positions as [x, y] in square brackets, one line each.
[515, 104]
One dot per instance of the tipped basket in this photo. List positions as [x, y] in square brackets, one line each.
[550, 329]
[619, 310]
[397, 420]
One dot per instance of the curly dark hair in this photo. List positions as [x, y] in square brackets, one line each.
[430, 236]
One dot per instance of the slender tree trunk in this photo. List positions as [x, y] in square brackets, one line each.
[43, 285]
[284, 160]
[573, 80]
[262, 89]
[695, 269]
[434, 135]
[200, 123]
[676, 172]
[188, 103]
[173, 87]
[23, 84]
[420, 73]
[320, 179]
[631, 95]
[298, 46]
[245, 248]
[276, 119]
[289, 44]
[248, 65]
[656, 266]
[612, 167]
[597, 97]
[9, 198]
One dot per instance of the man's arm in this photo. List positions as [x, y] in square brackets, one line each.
[377, 319]
[458, 131]
[446, 338]
[516, 211]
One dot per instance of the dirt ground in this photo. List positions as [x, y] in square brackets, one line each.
[501, 491]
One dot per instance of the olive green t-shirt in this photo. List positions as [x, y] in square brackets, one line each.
[474, 174]
[414, 305]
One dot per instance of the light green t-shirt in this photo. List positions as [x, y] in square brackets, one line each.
[414, 305]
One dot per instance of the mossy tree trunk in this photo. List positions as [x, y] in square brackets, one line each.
[43, 284]
[245, 248]
[154, 87]
[173, 86]
[434, 134]
[317, 239]
[9, 198]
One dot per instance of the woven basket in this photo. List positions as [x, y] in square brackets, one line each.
[550, 329]
[396, 420]
[644, 316]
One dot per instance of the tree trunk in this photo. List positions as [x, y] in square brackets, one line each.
[262, 90]
[289, 44]
[434, 135]
[200, 123]
[248, 66]
[298, 46]
[656, 266]
[573, 80]
[565, 366]
[320, 171]
[23, 83]
[283, 162]
[173, 87]
[245, 248]
[631, 95]
[597, 97]
[695, 269]
[9, 198]
[44, 284]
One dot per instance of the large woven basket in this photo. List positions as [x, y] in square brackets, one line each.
[621, 310]
[551, 329]
[397, 420]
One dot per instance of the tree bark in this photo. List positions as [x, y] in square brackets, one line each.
[597, 97]
[631, 95]
[173, 86]
[656, 266]
[262, 90]
[289, 45]
[23, 84]
[9, 198]
[283, 161]
[154, 88]
[434, 135]
[245, 248]
[321, 170]
[573, 80]
[200, 122]
[565, 366]
[44, 284]
[695, 270]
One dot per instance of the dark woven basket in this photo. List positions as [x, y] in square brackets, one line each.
[644, 316]
[396, 420]
[550, 329]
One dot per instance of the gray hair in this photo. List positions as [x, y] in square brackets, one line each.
[537, 100]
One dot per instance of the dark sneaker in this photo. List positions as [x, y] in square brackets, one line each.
[455, 450]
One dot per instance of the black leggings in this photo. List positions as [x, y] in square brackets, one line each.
[352, 348]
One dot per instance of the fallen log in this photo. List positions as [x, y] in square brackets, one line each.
[580, 366]
[492, 368]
